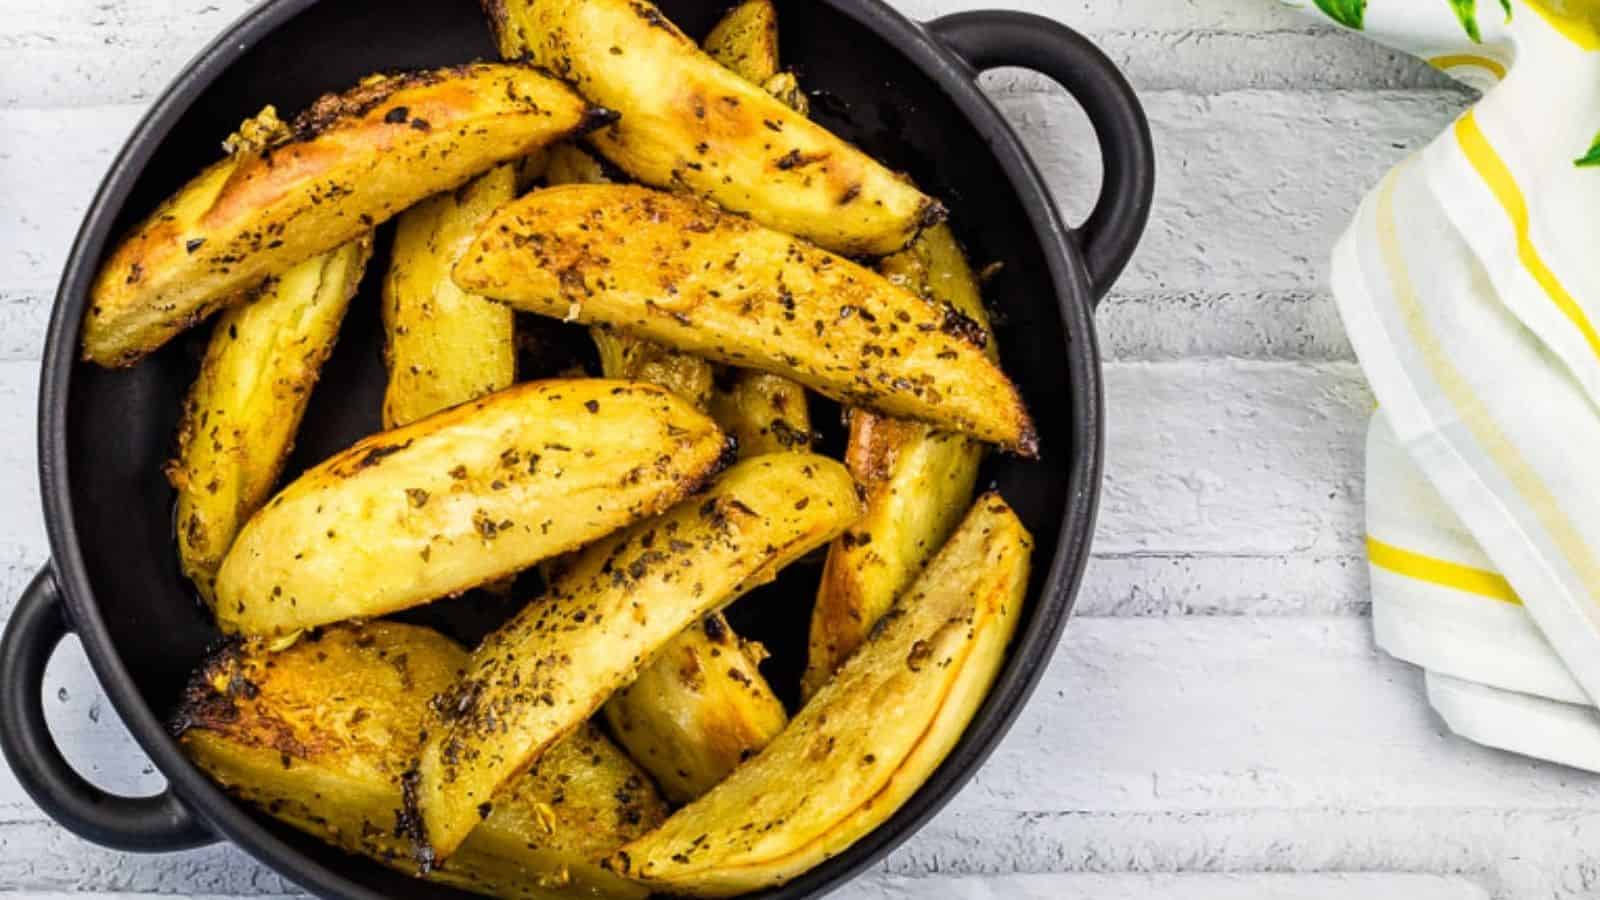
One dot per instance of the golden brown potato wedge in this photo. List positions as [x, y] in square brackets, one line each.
[765, 413]
[698, 710]
[918, 480]
[868, 740]
[619, 602]
[443, 346]
[469, 495]
[690, 124]
[690, 721]
[351, 161]
[680, 272]
[622, 355]
[320, 736]
[241, 415]
[746, 41]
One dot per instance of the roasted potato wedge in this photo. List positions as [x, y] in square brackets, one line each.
[241, 415]
[690, 124]
[469, 495]
[680, 272]
[698, 710]
[765, 413]
[320, 736]
[745, 41]
[443, 346]
[352, 160]
[618, 603]
[918, 480]
[868, 739]
[623, 355]
[690, 721]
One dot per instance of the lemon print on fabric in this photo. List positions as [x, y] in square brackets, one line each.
[1348, 13]
[1592, 158]
[1467, 12]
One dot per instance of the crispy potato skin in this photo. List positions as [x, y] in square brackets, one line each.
[242, 412]
[680, 272]
[321, 735]
[620, 601]
[746, 41]
[353, 160]
[690, 124]
[443, 346]
[868, 740]
[918, 481]
[698, 710]
[462, 498]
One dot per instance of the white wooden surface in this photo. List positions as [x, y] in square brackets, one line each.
[1217, 723]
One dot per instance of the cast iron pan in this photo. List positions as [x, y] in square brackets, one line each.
[903, 91]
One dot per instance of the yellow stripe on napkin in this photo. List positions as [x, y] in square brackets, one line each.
[1492, 169]
[1441, 572]
[1454, 60]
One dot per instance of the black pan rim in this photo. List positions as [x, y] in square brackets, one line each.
[1029, 654]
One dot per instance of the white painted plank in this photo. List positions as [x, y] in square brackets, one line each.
[1266, 325]
[88, 52]
[1233, 457]
[1252, 188]
[1194, 584]
[1079, 886]
[1073, 886]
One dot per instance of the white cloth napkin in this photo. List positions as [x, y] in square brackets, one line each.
[1470, 287]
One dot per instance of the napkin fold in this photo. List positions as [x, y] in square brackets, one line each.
[1473, 303]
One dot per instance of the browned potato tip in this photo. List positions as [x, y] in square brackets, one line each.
[689, 123]
[346, 164]
[680, 272]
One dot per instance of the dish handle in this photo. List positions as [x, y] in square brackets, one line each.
[148, 824]
[989, 39]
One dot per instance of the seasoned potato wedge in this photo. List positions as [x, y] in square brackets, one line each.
[746, 41]
[618, 603]
[698, 710]
[443, 346]
[461, 498]
[679, 272]
[241, 415]
[623, 355]
[765, 413]
[320, 736]
[918, 480]
[690, 124]
[351, 161]
[868, 739]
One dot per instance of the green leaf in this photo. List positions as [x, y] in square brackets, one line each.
[1506, 5]
[1348, 13]
[1467, 12]
[1592, 158]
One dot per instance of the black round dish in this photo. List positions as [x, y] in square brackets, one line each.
[905, 92]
